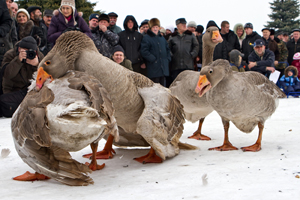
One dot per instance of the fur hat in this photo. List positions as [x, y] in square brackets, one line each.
[22, 10]
[154, 22]
[292, 69]
[192, 24]
[296, 56]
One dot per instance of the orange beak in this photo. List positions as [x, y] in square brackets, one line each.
[203, 85]
[216, 37]
[42, 76]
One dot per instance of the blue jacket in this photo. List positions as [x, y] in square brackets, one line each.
[156, 54]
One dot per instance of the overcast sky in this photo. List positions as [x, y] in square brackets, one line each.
[234, 11]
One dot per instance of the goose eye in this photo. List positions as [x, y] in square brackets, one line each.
[48, 62]
[211, 71]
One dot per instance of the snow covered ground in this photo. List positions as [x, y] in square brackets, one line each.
[267, 174]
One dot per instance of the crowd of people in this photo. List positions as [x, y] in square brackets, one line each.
[160, 53]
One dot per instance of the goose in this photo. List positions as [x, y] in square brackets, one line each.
[183, 87]
[246, 99]
[138, 102]
[58, 117]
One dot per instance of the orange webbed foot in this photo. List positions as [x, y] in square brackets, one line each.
[151, 157]
[224, 147]
[104, 154]
[95, 166]
[27, 176]
[255, 147]
[199, 136]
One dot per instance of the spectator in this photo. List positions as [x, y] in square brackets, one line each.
[229, 38]
[289, 81]
[26, 27]
[14, 8]
[169, 31]
[280, 35]
[199, 30]
[271, 44]
[119, 57]
[296, 62]
[162, 31]
[247, 45]
[156, 53]
[104, 39]
[261, 59]
[130, 40]
[191, 26]
[19, 65]
[293, 45]
[47, 16]
[184, 48]
[144, 26]
[240, 33]
[285, 38]
[113, 23]
[36, 16]
[93, 21]
[283, 53]
[67, 19]
[235, 59]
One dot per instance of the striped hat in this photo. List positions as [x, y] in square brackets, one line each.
[296, 56]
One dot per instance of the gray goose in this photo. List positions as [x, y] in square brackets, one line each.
[246, 99]
[58, 117]
[183, 87]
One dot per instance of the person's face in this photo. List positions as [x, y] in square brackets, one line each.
[168, 32]
[248, 31]
[181, 27]
[93, 23]
[290, 73]
[155, 29]
[266, 34]
[239, 32]
[296, 35]
[66, 10]
[259, 50]
[145, 28]
[130, 24]
[226, 28]
[104, 22]
[47, 20]
[272, 37]
[22, 18]
[14, 8]
[36, 15]
[285, 38]
[192, 29]
[112, 20]
[118, 57]
[8, 3]
[280, 37]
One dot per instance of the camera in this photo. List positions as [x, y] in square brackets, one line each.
[30, 54]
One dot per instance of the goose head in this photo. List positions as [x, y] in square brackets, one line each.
[42, 79]
[211, 75]
[212, 36]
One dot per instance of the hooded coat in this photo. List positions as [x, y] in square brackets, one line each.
[131, 40]
[290, 83]
[247, 45]
[58, 25]
[156, 53]
[244, 33]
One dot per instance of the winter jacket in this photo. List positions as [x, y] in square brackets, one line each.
[293, 47]
[247, 45]
[156, 54]
[17, 74]
[220, 51]
[43, 29]
[5, 19]
[131, 40]
[105, 41]
[243, 36]
[293, 81]
[116, 29]
[126, 63]
[231, 42]
[58, 25]
[29, 29]
[184, 48]
[283, 54]
[49, 45]
[237, 69]
[296, 63]
[272, 45]
[267, 60]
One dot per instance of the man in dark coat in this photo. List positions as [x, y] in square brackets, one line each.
[247, 45]
[229, 38]
[130, 39]
[19, 65]
[104, 39]
[293, 46]
[156, 53]
[184, 48]
[261, 59]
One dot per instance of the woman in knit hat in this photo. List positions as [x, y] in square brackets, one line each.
[67, 19]
[26, 27]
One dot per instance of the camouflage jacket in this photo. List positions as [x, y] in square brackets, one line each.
[283, 54]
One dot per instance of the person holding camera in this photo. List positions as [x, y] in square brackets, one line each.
[19, 64]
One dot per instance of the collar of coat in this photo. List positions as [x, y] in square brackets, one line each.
[187, 32]
[150, 33]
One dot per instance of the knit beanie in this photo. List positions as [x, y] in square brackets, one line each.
[296, 56]
[192, 24]
[144, 22]
[28, 43]
[170, 27]
[22, 10]
[118, 48]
